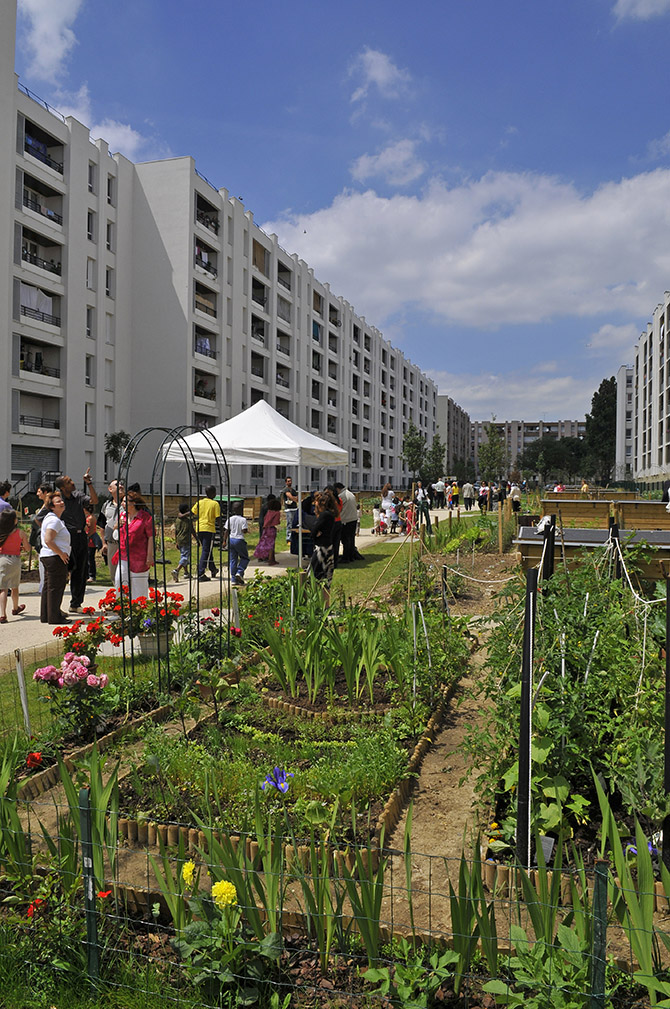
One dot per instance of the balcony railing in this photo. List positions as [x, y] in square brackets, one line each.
[259, 335]
[257, 372]
[203, 306]
[51, 266]
[32, 313]
[32, 204]
[204, 350]
[283, 348]
[283, 282]
[199, 261]
[258, 298]
[43, 369]
[205, 393]
[207, 221]
[35, 148]
[282, 381]
[30, 421]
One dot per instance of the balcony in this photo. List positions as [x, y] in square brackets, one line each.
[47, 423]
[259, 293]
[202, 345]
[32, 360]
[204, 387]
[33, 313]
[284, 276]
[36, 144]
[284, 347]
[205, 263]
[283, 309]
[206, 214]
[206, 307]
[205, 300]
[257, 366]
[258, 330]
[316, 332]
[282, 380]
[51, 266]
[39, 208]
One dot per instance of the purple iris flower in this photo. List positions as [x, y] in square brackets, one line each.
[630, 849]
[277, 779]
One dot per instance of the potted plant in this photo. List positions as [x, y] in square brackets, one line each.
[151, 619]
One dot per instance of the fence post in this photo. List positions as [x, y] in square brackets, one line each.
[92, 949]
[22, 690]
[550, 539]
[525, 727]
[599, 947]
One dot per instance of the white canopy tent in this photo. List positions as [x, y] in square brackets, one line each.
[255, 437]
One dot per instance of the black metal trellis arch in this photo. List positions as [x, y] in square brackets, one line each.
[156, 496]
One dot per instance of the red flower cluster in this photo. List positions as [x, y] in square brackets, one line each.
[33, 760]
[33, 907]
[236, 632]
[84, 637]
[103, 893]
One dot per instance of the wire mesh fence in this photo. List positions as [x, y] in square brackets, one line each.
[199, 917]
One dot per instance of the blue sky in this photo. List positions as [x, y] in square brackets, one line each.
[488, 183]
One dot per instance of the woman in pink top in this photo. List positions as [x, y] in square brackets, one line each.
[11, 540]
[265, 551]
[135, 555]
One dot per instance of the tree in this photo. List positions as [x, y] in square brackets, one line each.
[115, 444]
[432, 466]
[492, 454]
[413, 449]
[601, 430]
[463, 470]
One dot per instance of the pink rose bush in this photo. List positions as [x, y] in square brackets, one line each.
[75, 694]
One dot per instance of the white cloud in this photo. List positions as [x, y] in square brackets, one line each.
[516, 395]
[121, 137]
[504, 248]
[396, 164]
[614, 340]
[659, 148]
[48, 36]
[640, 10]
[377, 71]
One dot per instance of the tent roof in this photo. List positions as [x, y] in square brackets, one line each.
[256, 436]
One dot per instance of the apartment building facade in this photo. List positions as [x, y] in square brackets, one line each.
[453, 427]
[649, 405]
[624, 423]
[518, 434]
[138, 295]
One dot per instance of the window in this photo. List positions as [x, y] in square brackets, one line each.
[89, 418]
[110, 335]
[257, 472]
[109, 282]
[280, 472]
[90, 274]
[109, 375]
[90, 225]
[92, 176]
[89, 369]
[90, 320]
[109, 238]
[111, 190]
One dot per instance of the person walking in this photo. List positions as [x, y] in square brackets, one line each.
[439, 489]
[55, 557]
[265, 551]
[468, 496]
[207, 511]
[12, 539]
[184, 532]
[422, 505]
[322, 525]
[349, 520]
[75, 521]
[234, 531]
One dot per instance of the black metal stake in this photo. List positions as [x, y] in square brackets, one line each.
[92, 949]
[525, 733]
[550, 539]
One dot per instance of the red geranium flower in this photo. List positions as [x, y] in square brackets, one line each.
[34, 906]
[103, 893]
[34, 759]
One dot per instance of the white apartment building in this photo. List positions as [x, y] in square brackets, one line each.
[453, 427]
[518, 434]
[624, 423]
[141, 295]
[650, 402]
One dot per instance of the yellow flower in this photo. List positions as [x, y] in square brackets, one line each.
[494, 826]
[187, 872]
[224, 894]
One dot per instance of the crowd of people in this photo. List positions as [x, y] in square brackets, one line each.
[69, 531]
